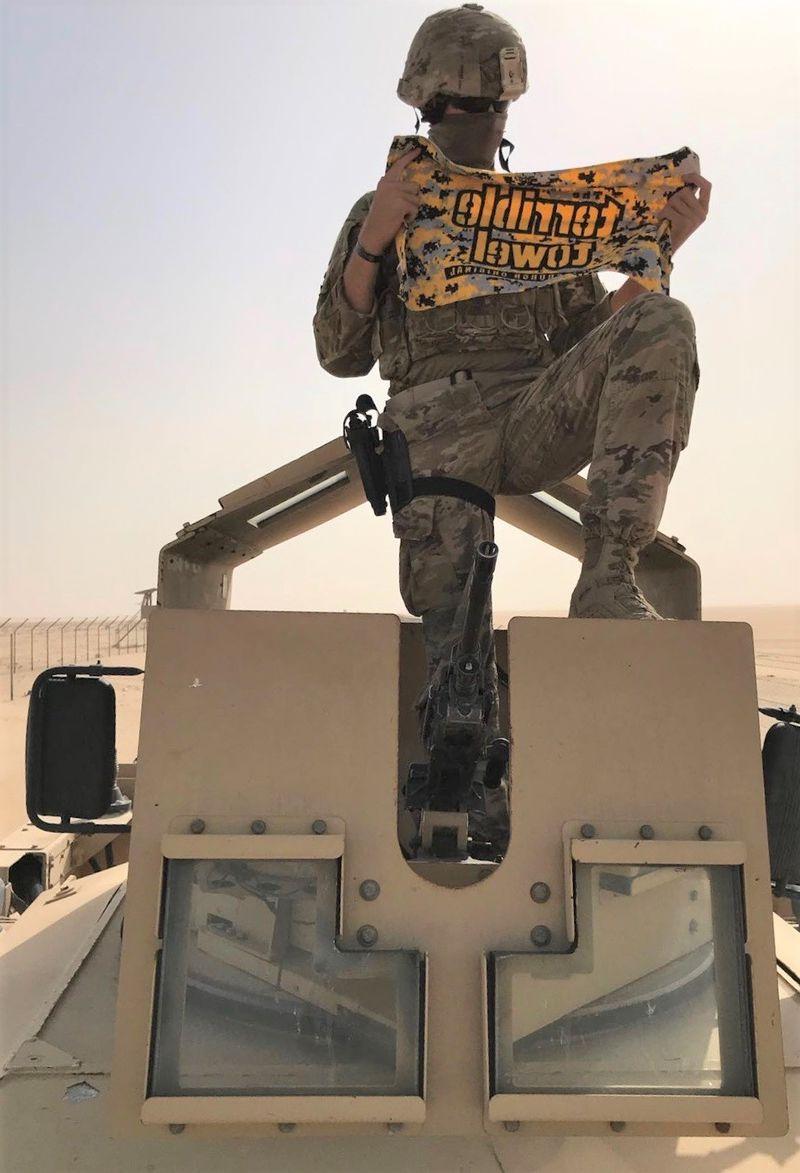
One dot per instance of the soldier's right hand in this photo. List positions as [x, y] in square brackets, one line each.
[395, 201]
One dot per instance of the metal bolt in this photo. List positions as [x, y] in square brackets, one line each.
[693, 894]
[646, 832]
[540, 892]
[722, 1127]
[367, 936]
[319, 826]
[286, 1127]
[197, 826]
[704, 832]
[588, 831]
[258, 826]
[369, 889]
[395, 1126]
[541, 935]
[176, 1128]
[617, 1125]
[511, 1125]
[693, 926]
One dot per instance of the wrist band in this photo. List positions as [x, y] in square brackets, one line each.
[362, 252]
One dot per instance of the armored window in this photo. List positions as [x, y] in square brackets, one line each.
[254, 998]
[654, 998]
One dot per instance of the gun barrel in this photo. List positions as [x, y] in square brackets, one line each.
[479, 588]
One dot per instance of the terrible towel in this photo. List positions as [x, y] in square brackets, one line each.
[479, 232]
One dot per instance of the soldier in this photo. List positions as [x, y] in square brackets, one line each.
[513, 392]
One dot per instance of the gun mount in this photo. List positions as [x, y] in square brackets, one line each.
[457, 731]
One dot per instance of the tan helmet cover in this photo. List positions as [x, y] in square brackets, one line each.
[464, 52]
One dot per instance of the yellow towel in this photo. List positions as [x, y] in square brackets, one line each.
[479, 232]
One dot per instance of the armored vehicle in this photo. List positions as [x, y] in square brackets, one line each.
[283, 977]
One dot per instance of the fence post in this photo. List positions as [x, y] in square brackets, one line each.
[103, 625]
[78, 626]
[111, 628]
[33, 629]
[47, 641]
[64, 626]
[13, 656]
[88, 633]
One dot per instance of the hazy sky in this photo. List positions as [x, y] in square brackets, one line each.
[175, 175]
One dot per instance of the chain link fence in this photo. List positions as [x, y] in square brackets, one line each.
[28, 645]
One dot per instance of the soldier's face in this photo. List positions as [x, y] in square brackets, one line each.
[488, 126]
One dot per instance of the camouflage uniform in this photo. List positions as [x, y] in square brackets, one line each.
[549, 382]
[512, 392]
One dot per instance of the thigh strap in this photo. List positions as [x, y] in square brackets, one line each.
[451, 487]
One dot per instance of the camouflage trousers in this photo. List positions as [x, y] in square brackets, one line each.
[620, 400]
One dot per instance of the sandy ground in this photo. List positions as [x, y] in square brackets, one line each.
[776, 635]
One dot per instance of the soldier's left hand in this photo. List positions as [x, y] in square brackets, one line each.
[687, 209]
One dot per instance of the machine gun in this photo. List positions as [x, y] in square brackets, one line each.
[455, 727]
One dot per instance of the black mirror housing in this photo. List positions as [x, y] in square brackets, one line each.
[781, 763]
[70, 760]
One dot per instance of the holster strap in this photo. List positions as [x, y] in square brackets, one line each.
[451, 487]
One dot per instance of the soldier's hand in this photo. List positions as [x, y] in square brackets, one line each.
[395, 201]
[687, 208]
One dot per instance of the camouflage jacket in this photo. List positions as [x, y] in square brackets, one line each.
[507, 338]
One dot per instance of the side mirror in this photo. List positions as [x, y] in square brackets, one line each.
[780, 756]
[70, 752]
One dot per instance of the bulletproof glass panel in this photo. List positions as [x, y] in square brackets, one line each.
[654, 999]
[254, 998]
[70, 757]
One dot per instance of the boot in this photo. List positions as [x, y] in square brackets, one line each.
[606, 588]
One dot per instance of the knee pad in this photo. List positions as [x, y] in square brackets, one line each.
[647, 304]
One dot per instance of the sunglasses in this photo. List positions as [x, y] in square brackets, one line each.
[480, 105]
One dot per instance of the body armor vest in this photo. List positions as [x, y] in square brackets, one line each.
[503, 333]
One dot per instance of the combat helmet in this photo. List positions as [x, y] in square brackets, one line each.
[464, 52]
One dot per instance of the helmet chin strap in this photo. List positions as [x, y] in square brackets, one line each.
[504, 158]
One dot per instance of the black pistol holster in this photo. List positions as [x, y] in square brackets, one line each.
[363, 439]
[385, 466]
